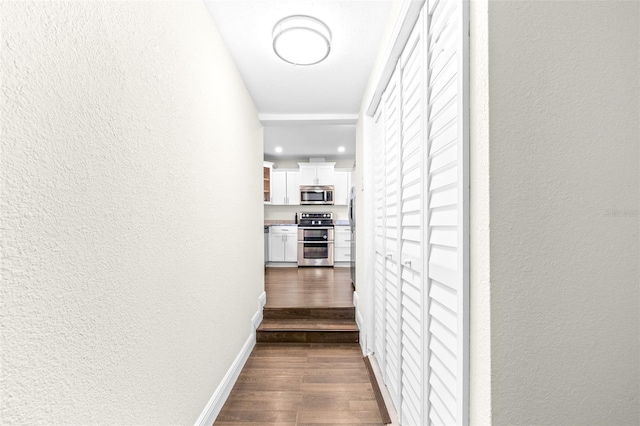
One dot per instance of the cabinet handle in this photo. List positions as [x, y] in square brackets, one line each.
[407, 262]
[389, 255]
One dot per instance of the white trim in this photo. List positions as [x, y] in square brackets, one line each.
[220, 395]
[307, 119]
[463, 302]
[256, 319]
[360, 322]
[401, 32]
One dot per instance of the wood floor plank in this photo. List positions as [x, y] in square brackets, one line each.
[337, 417]
[261, 416]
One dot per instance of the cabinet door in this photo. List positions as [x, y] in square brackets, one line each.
[325, 175]
[278, 187]
[291, 248]
[342, 245]
[293, 188]
[342, 188]
[307, 175]
[276, 247]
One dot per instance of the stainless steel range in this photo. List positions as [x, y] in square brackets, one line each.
[315, 239]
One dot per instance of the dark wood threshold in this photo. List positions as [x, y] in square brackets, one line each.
[386, 418]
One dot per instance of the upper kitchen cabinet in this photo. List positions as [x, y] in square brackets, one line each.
[317, 173]
[342, 179]
[267, 168]
[285, 187]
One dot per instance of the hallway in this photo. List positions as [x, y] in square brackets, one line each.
[304, 383]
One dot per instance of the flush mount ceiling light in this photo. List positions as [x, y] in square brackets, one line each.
[301, 40]
[341, 149]
[278, 149]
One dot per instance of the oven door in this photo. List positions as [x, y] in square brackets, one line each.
[315, 246]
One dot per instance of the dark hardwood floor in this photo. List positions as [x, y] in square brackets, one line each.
[304, 382]
[300, 384]
[308, 287]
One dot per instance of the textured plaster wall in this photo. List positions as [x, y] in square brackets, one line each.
[564, 196]
[131, 262]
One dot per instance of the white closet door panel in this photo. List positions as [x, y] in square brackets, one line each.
[446, 164]
[392, 135]
[379, 248]
[412, 226]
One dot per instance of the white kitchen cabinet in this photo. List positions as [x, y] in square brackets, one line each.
[342, 245]
[317, 173]
[285, 187]
[283, 243]
[342, 180]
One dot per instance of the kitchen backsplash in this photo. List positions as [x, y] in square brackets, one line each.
[289, 212]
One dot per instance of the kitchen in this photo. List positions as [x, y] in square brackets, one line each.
[304, 199]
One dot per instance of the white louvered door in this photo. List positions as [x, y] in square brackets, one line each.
[411, 228]
[391, 215]
[420, 207]
[379, 253]
[447, 215]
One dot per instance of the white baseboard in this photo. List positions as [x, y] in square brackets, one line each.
[256, 319]
[360, 323]
[219, 397]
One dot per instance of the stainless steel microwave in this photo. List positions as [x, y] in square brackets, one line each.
[317, 194]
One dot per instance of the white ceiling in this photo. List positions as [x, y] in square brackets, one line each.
[307, 110]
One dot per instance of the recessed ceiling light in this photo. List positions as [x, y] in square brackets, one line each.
[341, 149]
[301, 40]
[278, 149]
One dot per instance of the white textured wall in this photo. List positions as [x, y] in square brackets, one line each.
[131, 212]
[564, 199]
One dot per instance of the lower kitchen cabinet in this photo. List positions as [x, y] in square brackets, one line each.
[283, 243]
[342, 245]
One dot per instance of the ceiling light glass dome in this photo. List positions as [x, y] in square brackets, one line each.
[301, 40]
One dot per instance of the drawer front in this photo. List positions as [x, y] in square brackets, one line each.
[283, 229]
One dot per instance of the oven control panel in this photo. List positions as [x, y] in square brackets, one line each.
[315, 219]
